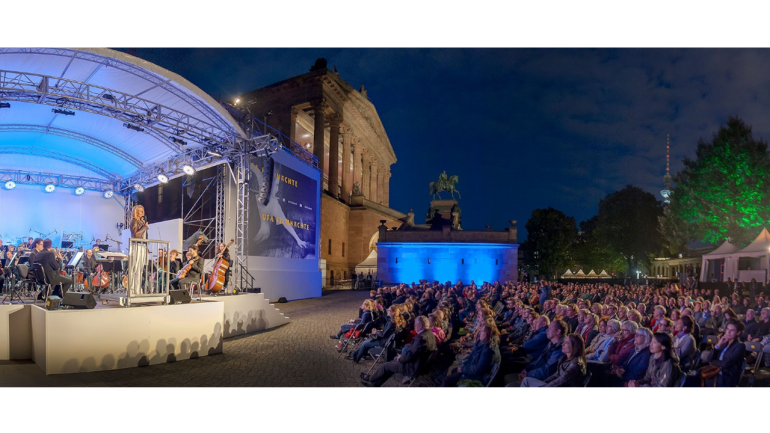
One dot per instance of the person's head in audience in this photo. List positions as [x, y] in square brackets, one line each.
[602, 326]
[622, 313]
[659, 312]
[605, 310]
[642, 339]
[730, 314]
[684, 325]
[596, 309]
[661, 347]
[421, 323]
[666, 325]
[582, 315]
[642, 309]
[717, 310]
[687, 312]
[750, 316]
[488, 332]
[556, 331]
[612, 310]
[634, 316]
[574, 347]
[675, 315]
[628, 329]
[734, 329]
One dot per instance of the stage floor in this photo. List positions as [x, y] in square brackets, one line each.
[300, 354]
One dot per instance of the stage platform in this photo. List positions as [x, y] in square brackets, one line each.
[112, 337]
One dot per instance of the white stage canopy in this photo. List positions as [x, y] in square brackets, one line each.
[708, 261]
[99, 113]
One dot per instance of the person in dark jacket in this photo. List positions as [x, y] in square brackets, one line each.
[366, 317]
[545, 365]
[663, 369]
[533, 347]
[51, 266]
[636, 364]
[571, 370]
[479, 362]
[422, 345]
[729, 354]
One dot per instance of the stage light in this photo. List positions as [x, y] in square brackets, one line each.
[108, 97]
[237, 101]
[188, 169]
[108, 194]
[80, 190]
[50, 187]
[133, 127]
[10, 184]
[163, 178]
[5, 105]
[214, 153]
[63, 111]
[138, 188]
[178, 141]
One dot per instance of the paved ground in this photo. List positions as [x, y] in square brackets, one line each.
[298, 354]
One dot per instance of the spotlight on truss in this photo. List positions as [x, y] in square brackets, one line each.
[188, 169]
[10, 185]
[50, 187]
[138, 187]
[5, 105]
[134, 127]
[80, 190]
[178, 141]
[63, 111]
[108, 194]
[163, 178]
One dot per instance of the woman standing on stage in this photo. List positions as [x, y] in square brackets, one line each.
[137, 252]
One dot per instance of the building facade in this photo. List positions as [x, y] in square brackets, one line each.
[323, 113]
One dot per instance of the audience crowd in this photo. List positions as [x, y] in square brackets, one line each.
[557, 334]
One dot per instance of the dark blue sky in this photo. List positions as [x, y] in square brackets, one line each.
[522, 128]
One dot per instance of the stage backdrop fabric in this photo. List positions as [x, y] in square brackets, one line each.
[284, 227]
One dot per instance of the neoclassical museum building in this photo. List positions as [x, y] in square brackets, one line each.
[339, 124]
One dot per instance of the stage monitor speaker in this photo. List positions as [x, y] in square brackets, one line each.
[52, 303]
[79, 300]
[179, 297]
[281, 300]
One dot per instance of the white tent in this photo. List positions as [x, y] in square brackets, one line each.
[754, 259]
[580, 274]
[604, 274]
[592, 274]
[568, 274]
[723, 252]
[369, 265]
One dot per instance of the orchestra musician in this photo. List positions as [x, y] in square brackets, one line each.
[9, 270]
[2, 248]
[37, 246]
[51, 262]
[174, 263]
[224, 253]
[194, 274]
[139, 227]
[30, 245]
[88, 264]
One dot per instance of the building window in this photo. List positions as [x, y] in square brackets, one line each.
[330, 247]
[428, 260]
[495, 262]
[397, 260]
[160, 194]
[343, 249]
[463, 262]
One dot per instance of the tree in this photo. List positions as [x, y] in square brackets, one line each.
[724, 191]
[628, 224]
[550, 237]
[590, 252]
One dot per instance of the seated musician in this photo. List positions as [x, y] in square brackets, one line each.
[175, 265]
[196, 269]
[224, 253]
[88, 263]
[37, 246]
[51, 266]
[30, 245]
[9, 270]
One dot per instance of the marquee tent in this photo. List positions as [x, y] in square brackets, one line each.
[710, 260]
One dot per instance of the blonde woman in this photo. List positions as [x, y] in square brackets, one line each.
[137, 251]
[366, 317]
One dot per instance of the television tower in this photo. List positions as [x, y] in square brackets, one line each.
[666, 192]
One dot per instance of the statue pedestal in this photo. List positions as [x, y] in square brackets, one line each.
[443, 207]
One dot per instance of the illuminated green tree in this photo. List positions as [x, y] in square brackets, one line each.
[724, 191]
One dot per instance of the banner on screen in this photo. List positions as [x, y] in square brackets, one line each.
[284, 226]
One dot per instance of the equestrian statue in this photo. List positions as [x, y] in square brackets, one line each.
[445, 183]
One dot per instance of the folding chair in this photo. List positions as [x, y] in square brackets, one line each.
[682, 379]
[743, 372]
[493, 374]
[13, 286]
[756, 348]
[761, 369]
[498, 307]
[424, 366]
[41, 280]
[379, 352]
[692, 362]
[709, 339]
[351, 343]
[587, 380]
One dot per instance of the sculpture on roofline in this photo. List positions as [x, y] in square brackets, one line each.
[445, 183]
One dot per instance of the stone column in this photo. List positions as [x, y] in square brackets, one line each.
[386, 188]
[366, 174]
[318, 133]
[346, 183]
[334, 158]
[373, 184]
[357, 164]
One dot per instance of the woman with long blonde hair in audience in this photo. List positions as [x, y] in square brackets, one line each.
[479, 362]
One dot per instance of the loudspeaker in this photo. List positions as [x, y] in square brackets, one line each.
[281, 300]
[79, 300]
[52, 303]
[179, 297]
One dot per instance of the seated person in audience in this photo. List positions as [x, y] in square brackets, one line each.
[407, 363]
[729, 354]
[658, 314]
[726, 317]
[624, 347]
[589, 331]
[666, 325]
[663, 369]
[366, 317]
[545, 365]
[600, 338]
[581, 316]
[675, 315]
[479, 362]
[714, 323]
[571, 318]
[378, 338]
[763, 326]
[684, 342]
[634, 316]
[533, 346]
[622, 313]
[695, 328]
[435, 328]
[571, 369]
[749, 325]
[636, 364]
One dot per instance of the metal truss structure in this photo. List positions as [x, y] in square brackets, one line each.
[241, 169]
[61, 181]
[219, 228]
[171, 127]
[192, 215]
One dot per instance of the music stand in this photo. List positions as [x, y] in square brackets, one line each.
[67, 244]
[75, 259]
[103, 247]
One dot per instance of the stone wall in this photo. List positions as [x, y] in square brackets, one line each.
[334, 227]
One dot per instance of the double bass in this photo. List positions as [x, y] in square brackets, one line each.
[217, 279]
[101, 279]
[183, 272]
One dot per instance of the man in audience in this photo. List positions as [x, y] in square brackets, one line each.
[422, 345]
[545, 365]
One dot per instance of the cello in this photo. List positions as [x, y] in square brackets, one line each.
[101, 279]
[217, 279]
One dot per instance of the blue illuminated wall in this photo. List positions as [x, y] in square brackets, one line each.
[407, 262]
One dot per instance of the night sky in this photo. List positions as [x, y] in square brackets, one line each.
[522, 128]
